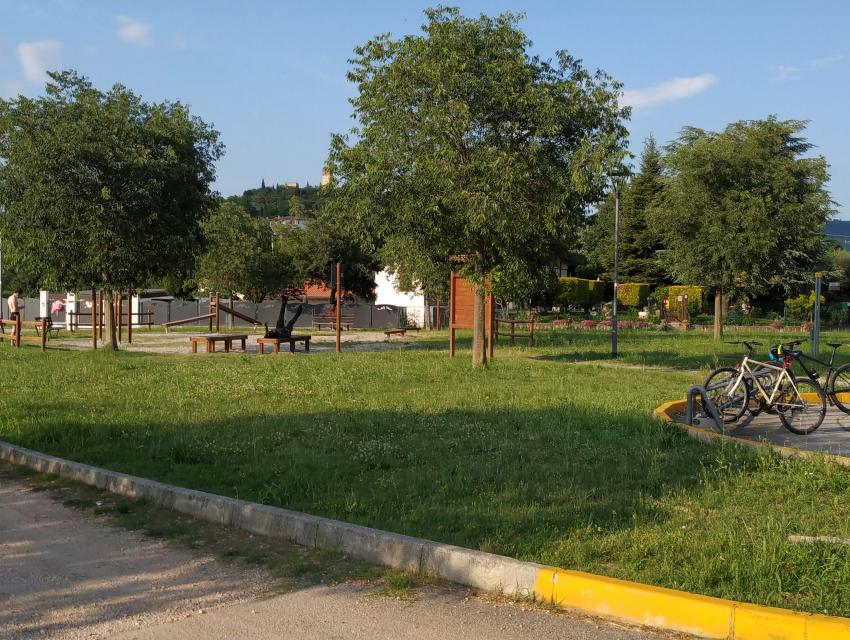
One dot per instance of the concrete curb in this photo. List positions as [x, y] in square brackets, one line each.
[667, 413]
[629, 602]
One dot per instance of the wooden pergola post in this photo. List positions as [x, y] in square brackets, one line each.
[217, 313]
[338, 306]
[130, 317]
[118, 303]
[94, 315]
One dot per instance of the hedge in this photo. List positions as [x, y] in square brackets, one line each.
[693, 292]
[581, 292]
[632, 294]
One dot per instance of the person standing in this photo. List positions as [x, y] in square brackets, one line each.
[15, 305]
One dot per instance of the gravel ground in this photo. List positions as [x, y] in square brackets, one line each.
[63, 575]
[68, 575]
[178, 343]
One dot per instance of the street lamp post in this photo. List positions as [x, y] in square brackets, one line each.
[616, 177]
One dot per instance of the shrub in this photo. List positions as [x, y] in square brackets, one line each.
[581, 292]
[693, 292]
[632, 294]
[835, 313]
[587, 324]
[807, 326]
[799, 309]
[775, 325]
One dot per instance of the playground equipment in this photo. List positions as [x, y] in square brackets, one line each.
[462, 301]
[213, 316]
[96, 318]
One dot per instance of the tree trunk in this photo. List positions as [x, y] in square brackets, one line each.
[479, 344]
[718, 315]
[110, 320]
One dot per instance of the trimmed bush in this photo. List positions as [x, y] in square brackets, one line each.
[581, 292]
[632, 294]
[693, 292]
[596, 291]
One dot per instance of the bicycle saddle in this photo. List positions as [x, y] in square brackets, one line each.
[835, 345]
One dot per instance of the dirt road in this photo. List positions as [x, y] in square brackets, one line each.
[67, 575]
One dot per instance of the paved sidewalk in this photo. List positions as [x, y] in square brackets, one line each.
[65, 575]
[833, 436]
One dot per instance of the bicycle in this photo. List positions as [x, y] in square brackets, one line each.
[837, 385]
[773, 386]
[730, 408]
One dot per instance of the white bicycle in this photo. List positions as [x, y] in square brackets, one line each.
[768, 386]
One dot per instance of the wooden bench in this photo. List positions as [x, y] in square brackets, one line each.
[52, 329]
[329, 320]
[211, 338]
[276, 342]
[400, 331]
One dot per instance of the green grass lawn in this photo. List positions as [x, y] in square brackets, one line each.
[550, 454]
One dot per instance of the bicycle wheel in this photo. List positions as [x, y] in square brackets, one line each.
[839, 388]
[802, 409]
[729, 398]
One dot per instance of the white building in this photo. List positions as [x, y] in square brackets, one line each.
[387, 292]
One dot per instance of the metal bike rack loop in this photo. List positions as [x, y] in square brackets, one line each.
[708, 405]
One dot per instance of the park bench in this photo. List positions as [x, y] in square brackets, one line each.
[211, 338]
[329, 320]
[400, 331]
[52, 329]
[276, 342]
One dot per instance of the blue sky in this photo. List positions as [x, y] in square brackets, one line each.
[271, 75]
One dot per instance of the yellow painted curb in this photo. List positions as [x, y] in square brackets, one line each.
[680, 611]
[636, 603]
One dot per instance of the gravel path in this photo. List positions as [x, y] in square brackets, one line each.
[65, 574]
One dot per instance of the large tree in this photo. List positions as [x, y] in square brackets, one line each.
[744, 208]
[102, 189]
[467, 145]
[640, 242]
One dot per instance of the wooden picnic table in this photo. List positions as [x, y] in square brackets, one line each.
[211, 338]
[276, 342]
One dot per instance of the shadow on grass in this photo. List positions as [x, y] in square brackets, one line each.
[508, 481]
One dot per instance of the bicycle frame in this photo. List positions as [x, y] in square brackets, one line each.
[746, 371]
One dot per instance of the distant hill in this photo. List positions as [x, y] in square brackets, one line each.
[839, 230]
[268, 202]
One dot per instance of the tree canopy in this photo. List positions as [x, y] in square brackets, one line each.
[102, 189]
[744, 209]
[640, 242]
[468, 145]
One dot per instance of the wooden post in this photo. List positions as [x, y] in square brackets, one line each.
[217, 313]
[338, 306]
[94, 315]
[451, 315]
[43, 334]
[130, 317]
[491, 337]
[210, 310]
[18, 328]
[100, 311]
[118, 303]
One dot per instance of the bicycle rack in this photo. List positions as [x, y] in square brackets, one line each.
[708, 405]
